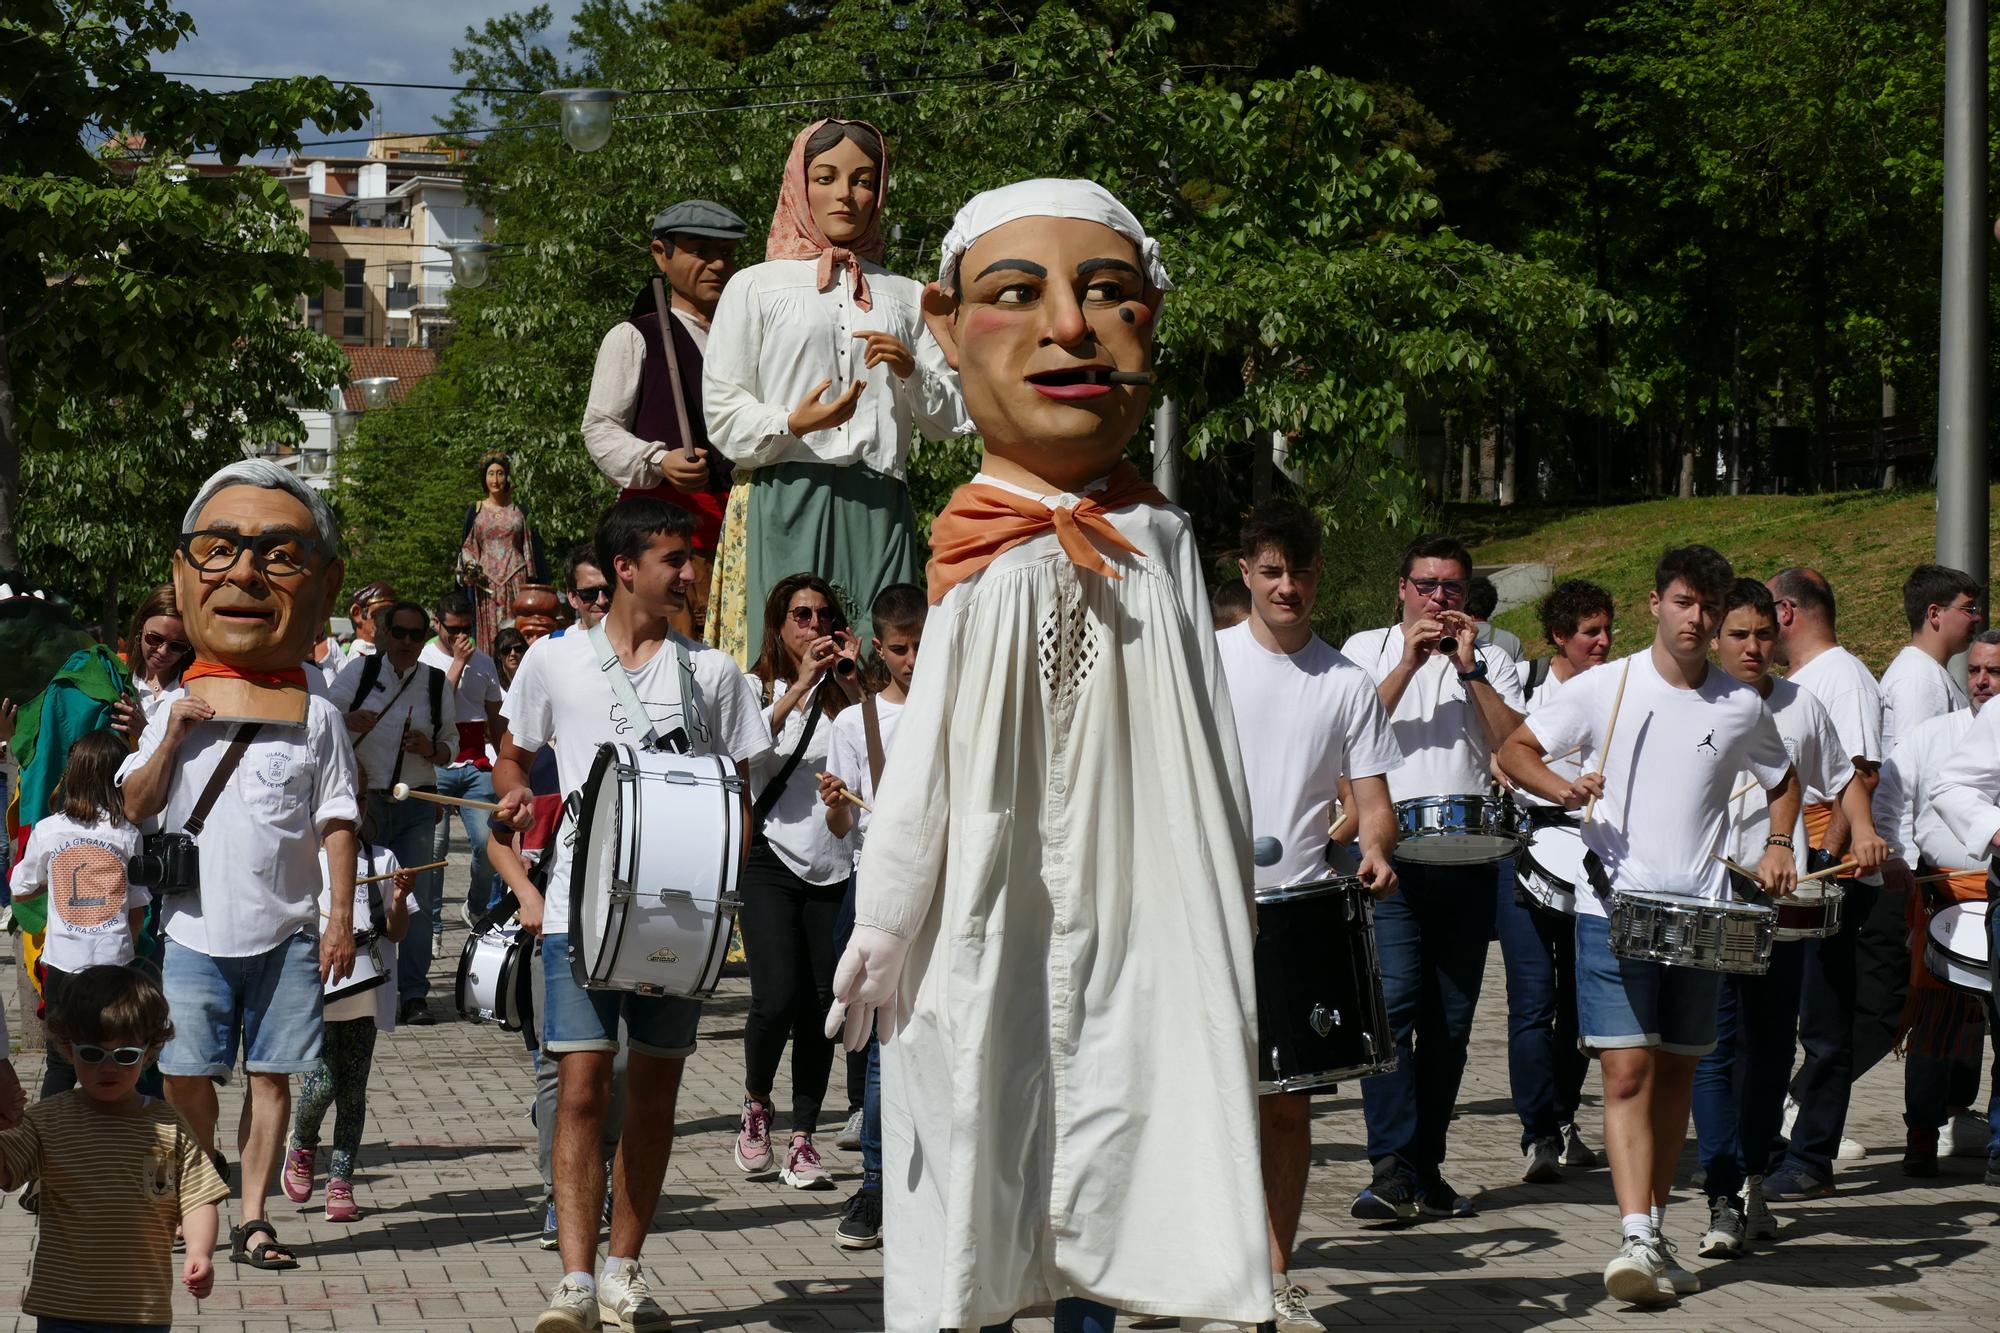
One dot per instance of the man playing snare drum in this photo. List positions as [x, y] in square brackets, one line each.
[1656, 823]
[1305, 718]
[1451, 702]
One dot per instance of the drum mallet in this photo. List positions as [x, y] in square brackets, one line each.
[1604, 750]
[414, 870]
[401, 792]
[848, 795]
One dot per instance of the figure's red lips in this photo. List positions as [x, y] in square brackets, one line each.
[1074, 383]
[242, 613]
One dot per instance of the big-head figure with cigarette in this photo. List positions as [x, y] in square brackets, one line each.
[239, 781]
[1054, 904]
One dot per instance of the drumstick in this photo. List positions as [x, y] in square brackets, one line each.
[402, 792]
[1745, 788]
[1840, 869]
[1556, 758]
[376, 879]
[1333, 830]
[1944, 874]
[848, 794]
[1738, 867]
[1610, 728]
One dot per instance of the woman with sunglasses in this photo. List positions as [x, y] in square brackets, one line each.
[509, 647]
[157, 651]
[796, 875]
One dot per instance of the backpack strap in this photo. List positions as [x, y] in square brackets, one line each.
[871, 727]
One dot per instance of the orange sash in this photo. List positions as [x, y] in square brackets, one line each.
[198, 670]
[981, 523]
[1819, 818]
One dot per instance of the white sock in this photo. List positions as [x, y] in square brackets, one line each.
[579, 1279]
[1659, 1216]
[612, 1263]
[1636, 1226]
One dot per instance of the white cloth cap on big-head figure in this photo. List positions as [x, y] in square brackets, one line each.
[1047, 198]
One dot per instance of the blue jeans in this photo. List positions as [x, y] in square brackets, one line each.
[1545, 1070]
[269, 1001]
[1432, 938]
[1074, 1314]
[1739, 1087]
[472, 784]
[404, 827]
[1826, 1035]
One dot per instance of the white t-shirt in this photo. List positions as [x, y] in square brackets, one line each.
[1444, 747]
[1916, 689]
[1303, 722]
[1568, 767]
[82, 866]
[1674, 758]
[260, 875]
[378, 1002]
[1853, 700]
[1813, 746]
[478, 685]
[404, 703]
[560, 697]
[848, 758]
[796, 827]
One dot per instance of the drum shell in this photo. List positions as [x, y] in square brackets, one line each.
[495, 978]
[1540, 881]
[661, 840]
[1806, 916]
[1692, 932]
[1946, 954]
[1456, 830]
[1321, 1016]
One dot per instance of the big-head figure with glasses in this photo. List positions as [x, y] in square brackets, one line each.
[257, 777]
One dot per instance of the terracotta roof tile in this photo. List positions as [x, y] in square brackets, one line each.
[407, 364]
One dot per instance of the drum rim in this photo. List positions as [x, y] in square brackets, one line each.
[1315, 888]
[1746, 911]
[581, 862]
[1931, 940]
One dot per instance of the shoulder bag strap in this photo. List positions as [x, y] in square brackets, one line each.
[762, 807]
[871, 726]
[245, 733]
[621, 688]
[371, 671]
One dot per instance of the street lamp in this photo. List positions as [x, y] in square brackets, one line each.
[471, 261]
[586, 115]
[375, 390]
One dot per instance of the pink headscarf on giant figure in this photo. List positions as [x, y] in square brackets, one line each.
[796, 234]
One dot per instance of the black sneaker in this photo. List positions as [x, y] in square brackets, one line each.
[1391, 1199]
[415, 1013]
[1439, 1199]
[1920, 1154]
[861, 1225]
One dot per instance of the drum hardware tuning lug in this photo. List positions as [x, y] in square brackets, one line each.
[729, 902]
[676, 895]
[1368, 1040]
[680, 778]
[1323, 1020]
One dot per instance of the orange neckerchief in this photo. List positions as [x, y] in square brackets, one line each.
[198, 669]
[982, 522]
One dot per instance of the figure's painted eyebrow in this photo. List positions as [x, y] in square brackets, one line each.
[1090, 266]
[1027, 266]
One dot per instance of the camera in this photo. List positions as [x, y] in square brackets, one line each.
[166, 863]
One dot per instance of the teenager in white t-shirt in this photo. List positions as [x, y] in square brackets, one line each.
[1739, 1090]
[897, 618]
[1545, 1069]
[1449, 710]
[562, 697]
[1942, 607]
[1684, 731]
[1306, 718]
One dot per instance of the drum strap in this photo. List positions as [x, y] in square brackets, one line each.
[814, 706]
[871, 725]
[636, 716]
[1593, 870]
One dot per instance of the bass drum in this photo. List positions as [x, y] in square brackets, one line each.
[660, 844]
[1957, 948]
[495, 978]
[1321, 1017]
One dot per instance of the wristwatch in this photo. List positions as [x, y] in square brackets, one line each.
[1478, 672]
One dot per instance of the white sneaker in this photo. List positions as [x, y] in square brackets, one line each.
[1289, 1299]
[1724, 1237]
[1683, 1282]
[1850, 1151]
[572, 1309]
[1758, 1222]
[1967, 1134]
[1576, 1152]
[624, 1299]
[1636, 1275]
[1791, 1117]
[1544, 1162]
[850, 1133]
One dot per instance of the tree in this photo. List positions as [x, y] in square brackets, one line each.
[144, 304]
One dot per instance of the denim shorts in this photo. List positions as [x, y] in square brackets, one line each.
[1627, 1002]
[575, 1019]
[270, 1001]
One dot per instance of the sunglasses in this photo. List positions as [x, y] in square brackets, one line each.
[155, 642]
[1451, 589]
[406, 633]
[803, 616]
[450, 628]
[601, 593]
[97, 1055]
[515, 651]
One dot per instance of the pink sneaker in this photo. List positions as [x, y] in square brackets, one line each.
[802, 1167]
[340, 1201]
[753, 1141]
[299, 1166]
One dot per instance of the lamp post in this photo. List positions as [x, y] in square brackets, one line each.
[471, 261]
[375, 390]
[1961, 473]
[586, 115]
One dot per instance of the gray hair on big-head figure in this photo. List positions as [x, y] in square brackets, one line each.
[266, 475]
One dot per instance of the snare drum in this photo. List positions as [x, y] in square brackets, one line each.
[1455, 830]
[1810, 912]
[1550, 870]
[368, 971]
[1957, 948]
[1692, 932]
[1321, 1017]
[496, 978]
[660, 845]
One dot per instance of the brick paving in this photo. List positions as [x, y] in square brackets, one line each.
[447, 1243]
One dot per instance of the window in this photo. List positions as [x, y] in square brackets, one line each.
[356, 295]
[354, 326]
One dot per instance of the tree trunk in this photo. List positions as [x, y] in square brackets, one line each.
[1465, 467]
[1736, 409]
[1508, 450]
[1822, 373]
[108, 626]
[1689, 439]
[1882, 431]
[10, 460]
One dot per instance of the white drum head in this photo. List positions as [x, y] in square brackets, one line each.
[1559, 851]
[1959, 932]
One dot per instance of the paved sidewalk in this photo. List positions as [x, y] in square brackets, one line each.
[447, 1243]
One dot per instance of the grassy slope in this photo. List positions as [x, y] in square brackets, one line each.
[1865, 542]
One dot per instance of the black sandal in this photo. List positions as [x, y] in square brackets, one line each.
[240, 1252]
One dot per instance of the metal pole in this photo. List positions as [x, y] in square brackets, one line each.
[1961, 475]
[1167, 448]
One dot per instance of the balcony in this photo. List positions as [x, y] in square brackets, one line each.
[421, 296]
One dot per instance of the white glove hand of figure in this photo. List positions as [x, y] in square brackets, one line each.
[864, 987]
